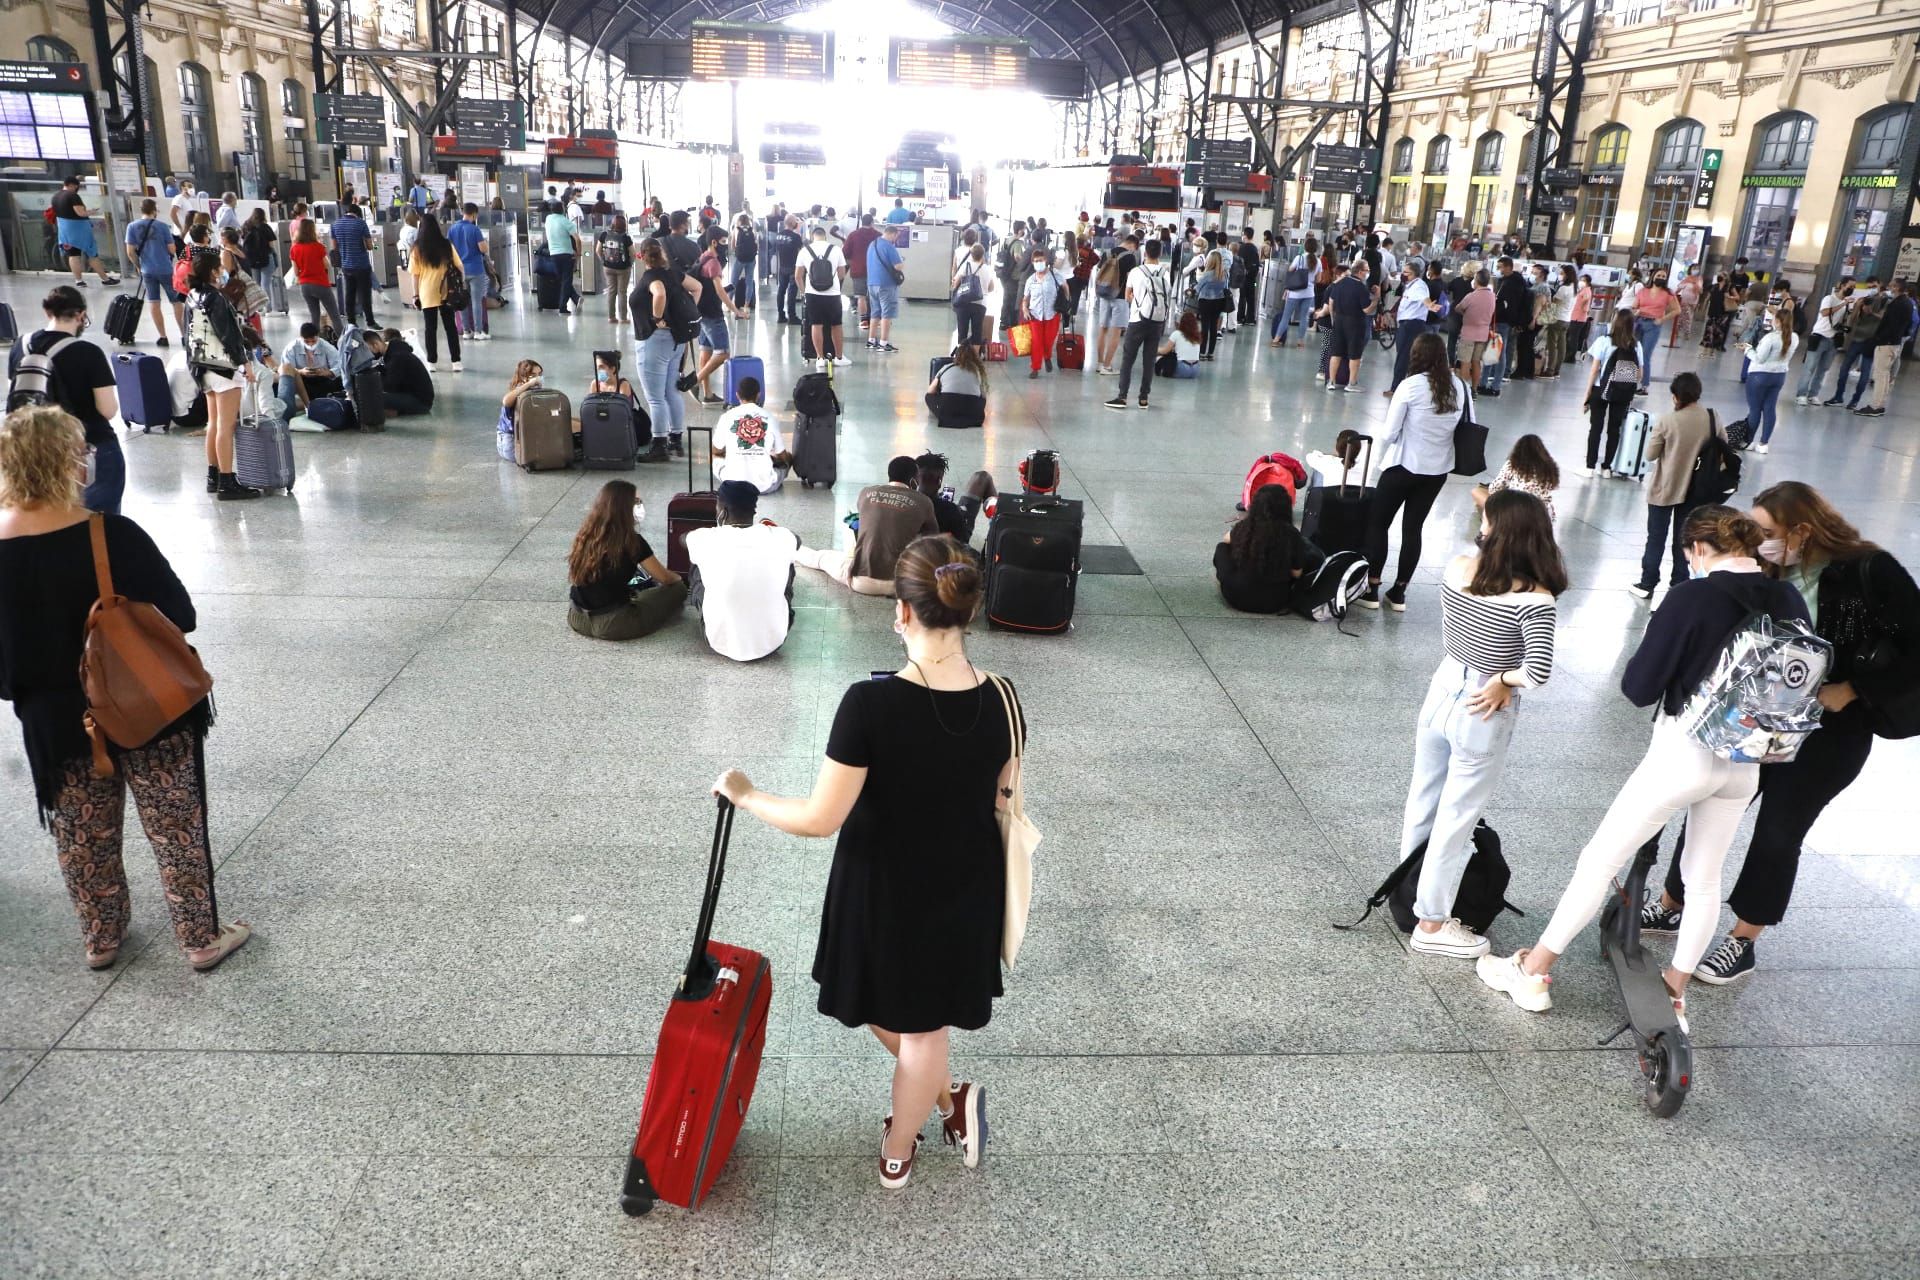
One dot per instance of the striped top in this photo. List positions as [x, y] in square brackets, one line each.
[1497, 634]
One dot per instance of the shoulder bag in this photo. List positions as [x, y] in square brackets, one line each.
[1899, 716]
[1469, 438]
[137, 670]
[1018, 836]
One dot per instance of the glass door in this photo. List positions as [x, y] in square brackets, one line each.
[1770, 215]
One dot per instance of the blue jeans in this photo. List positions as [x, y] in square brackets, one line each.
[1647, 333]
[1494, 373]
[1663, 530]
[109, 478]
[1296, 311]
[1763, 396]
[569, 292]
[1457, 762]
[741, 284]
[659, 368]
[1404, 332]
[1814, 371]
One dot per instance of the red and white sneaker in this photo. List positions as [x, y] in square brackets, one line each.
[966, 1126]
[895, 1174]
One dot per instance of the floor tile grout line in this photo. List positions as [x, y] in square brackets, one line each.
[332, 1236]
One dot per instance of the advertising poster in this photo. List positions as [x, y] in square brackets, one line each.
[1689, 247]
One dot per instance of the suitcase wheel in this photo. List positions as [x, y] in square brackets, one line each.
[636, 1206]
[806, 484]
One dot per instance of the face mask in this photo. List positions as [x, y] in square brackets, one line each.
[606, 375]
[1777, 551]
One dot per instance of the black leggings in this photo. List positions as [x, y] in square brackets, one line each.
[971, 320]
[1792, 797]
[1400, 488]
[1211, 309]
[1603, 414]
[445, 315]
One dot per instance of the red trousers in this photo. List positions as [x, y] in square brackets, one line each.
[1045, 334]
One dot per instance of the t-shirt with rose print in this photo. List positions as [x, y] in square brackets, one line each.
[751, 436]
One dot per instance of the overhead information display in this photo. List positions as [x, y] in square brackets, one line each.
[747, 51]
[43, 112]
[968, 62]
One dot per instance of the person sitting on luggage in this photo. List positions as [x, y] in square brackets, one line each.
[310, 367]
[609, 381]
[609, 599]
[958, 393]
[527, 376]
[1258, 559]
[891, 515]
[753, 450]
[743, 576]
[404, 374]
[1344, 463]
[1179, 355]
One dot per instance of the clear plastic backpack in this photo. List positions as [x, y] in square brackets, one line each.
[1761, 699]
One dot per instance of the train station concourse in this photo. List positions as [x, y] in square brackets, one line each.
[1412, 504]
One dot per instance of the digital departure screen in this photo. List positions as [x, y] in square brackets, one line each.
[902, 182]
[969, 63]
[43, 112]
[745, 51]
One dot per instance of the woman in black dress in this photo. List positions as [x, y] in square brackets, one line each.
[917, 764]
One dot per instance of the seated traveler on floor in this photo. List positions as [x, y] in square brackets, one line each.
[747, 444]
[891, 516]
[1258, 560]
[409, 387]
[958, 392]
[955, 520]
[910, 946]
[743, 576]
[608, 556]
[1683, 642]
[310, 367]
[47, 589]
[1179, 354]
[1528, 468]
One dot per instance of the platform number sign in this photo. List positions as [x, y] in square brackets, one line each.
[1709, 177]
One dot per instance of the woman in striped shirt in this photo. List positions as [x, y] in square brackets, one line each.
[1497, 616]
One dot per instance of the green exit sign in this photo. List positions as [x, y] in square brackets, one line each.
[1710, 161]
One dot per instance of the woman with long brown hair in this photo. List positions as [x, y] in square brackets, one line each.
[314, 274]
[1683, 640]
[219, 353]
[1416, 453]
[918, 765]
[608, 555]
[1865, 604]
[1497, 620]
[1613, 376]
[434, 269]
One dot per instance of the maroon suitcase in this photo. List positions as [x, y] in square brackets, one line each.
[706, 1063]
[694, 509]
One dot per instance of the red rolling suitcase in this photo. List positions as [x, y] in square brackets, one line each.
[706, 1063]
[1071, 352]
[694, 509]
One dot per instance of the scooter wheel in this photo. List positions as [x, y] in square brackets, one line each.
[1667, 1063]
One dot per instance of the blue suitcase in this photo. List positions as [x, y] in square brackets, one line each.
[145, 397]
[739, 367]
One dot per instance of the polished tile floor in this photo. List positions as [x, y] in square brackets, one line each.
[472, 842]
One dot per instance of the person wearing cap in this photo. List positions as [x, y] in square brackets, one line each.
[889, 516]
[743, 576]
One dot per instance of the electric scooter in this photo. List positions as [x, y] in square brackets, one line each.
[1666, 1052]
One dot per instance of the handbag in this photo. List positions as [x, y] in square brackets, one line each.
[137, 670]
[1018, 836]
[459, 297]
[968, 291]
[1469, 442]
[1899, 716]
[1020, 339]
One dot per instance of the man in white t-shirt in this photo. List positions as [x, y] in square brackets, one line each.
[1821, 342]
[746, 441]
[818, 271]
[1150, 307]
[744, 584]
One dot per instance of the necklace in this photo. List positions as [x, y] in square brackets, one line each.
[979, 701]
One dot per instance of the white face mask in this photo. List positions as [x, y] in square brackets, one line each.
[1778, 552]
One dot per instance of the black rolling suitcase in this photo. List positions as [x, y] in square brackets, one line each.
[1033, 563]
[608, 441]
[1335, 517]
[123, 318]
[368, 393]
[816, 443]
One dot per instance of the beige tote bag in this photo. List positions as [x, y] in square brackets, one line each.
[1018, 836]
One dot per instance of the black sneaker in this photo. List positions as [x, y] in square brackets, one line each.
[1640, 391]
[1731, 960]
[657, 453]
[1370, 598]
[1641, 590]
[678, 450]
[1118, 402]
[1828, 404]
[161, 341]
[1489, 391]
[1396, 598]
[1657, 917]
[1870, 413]
[1143, 402]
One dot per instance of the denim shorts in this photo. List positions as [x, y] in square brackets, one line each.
[158, 288]
[1110, 313]
[713, 333]
[883, 301]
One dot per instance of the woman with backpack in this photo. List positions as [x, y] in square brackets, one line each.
[1261, 557]
[658, 349]
[1767, 372]
[257, 241]
[1680, 649]
[48, 589]
[970, 279]
[911, 933]
[614, 247]
[1416, 455]
[746, 251]
[1864, 603]
[1613, 376]
[1673, 443]
[217, 352]
[1212, 298]
[436, 270]
[1298, 284]
[1497, 620]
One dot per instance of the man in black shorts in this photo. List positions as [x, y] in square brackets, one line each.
[1351, 306]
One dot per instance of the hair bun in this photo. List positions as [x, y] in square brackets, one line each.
[957, 583]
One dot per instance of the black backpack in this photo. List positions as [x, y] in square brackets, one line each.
[813, 395]
[683, 313]
[1716, 469]
[1483, 886]
[819, 271]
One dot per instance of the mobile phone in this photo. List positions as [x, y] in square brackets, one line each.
[946, 491]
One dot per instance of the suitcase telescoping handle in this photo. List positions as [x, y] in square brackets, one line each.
[711, 486]
[701, 975]
[1366, 465]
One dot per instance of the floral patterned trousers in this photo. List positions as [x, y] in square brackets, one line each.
[87, 820]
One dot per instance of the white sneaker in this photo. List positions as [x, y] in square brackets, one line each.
[458, 367]
[1450, 939]
[433, 366]
[1759, 448]
[841, 361]
[820, 366]
[1586, 471]
[1319, 377]
[1799, 399]
[1503, 973]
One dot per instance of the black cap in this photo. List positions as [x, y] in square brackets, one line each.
[739, 498]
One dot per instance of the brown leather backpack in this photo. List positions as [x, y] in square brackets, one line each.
[137, 670]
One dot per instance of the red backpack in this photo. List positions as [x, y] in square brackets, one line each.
[1272, 468]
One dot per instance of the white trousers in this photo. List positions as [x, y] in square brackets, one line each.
[1677, 774]
[838, 565]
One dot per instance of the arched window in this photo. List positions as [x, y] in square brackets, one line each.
[1600, 197]
[253, 122]
[1680, 145]
[293, 122]
[1489, 153]
[1609, 148]
[196, 121]
[1403, 156]
[1786, 144]
[50, 49]
[1869, 229]
[1882, 135]
[1439, 155]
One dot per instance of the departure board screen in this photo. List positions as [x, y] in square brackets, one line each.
[745, 51]
[969, 63]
